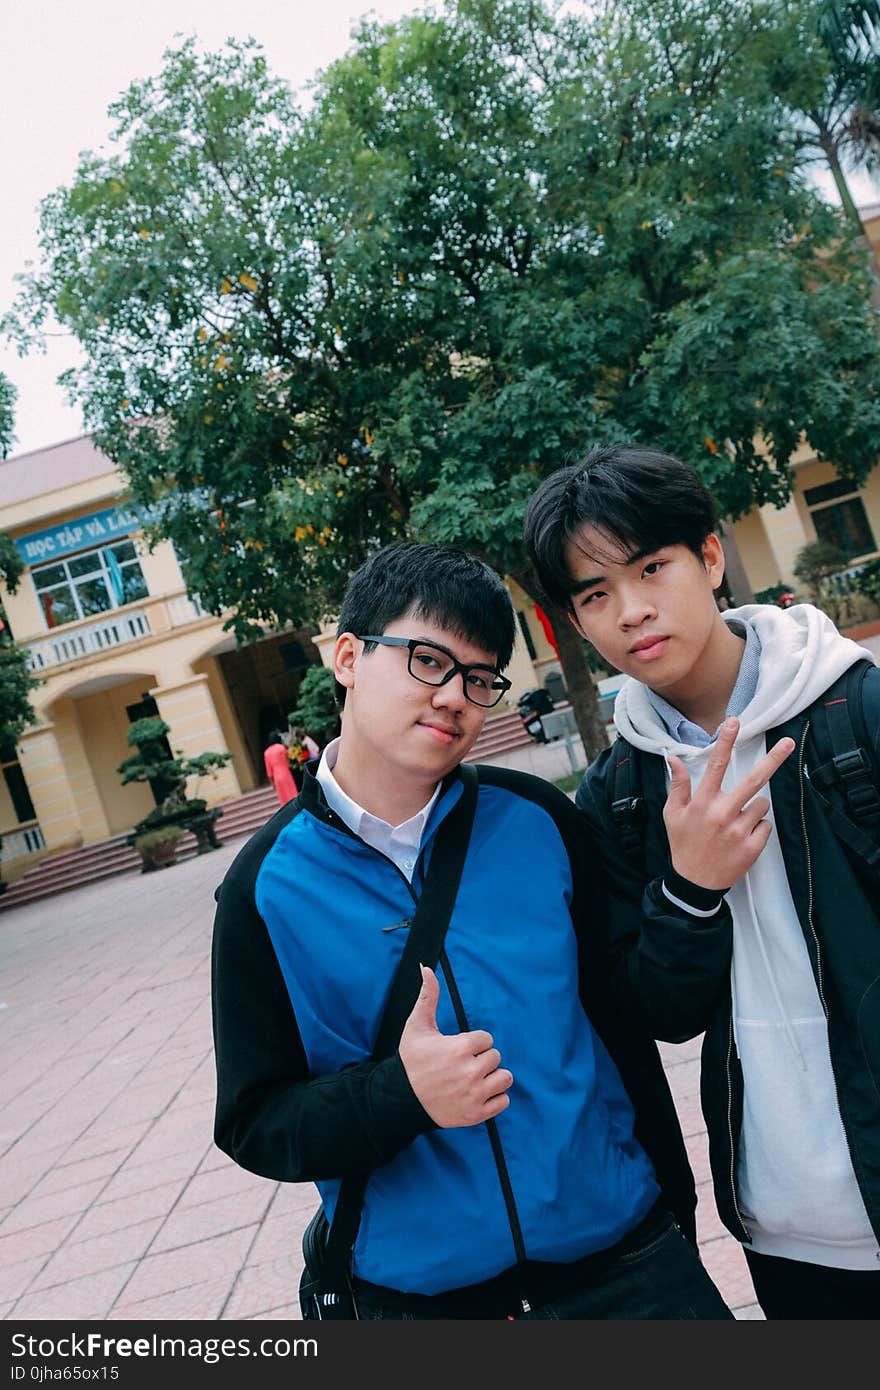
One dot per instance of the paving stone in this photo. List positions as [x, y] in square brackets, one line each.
[99, 1139]
[34, 1211]
[103, 1217]
[35, 1240]
[76, 1259]
[727, 1267]
[89, 1297]
[260, 1288]
[289, 1312]
[87, 1169]
[16, 1277]
[222, 1182]
[20, 1173]
[192, 1264]
[187, 1225]
[140, 1177]
[697, 1146]
[709, 1223]
[194, 1302]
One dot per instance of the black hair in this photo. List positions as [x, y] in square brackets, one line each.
[273, 737]
[448, 586]
[639, 498]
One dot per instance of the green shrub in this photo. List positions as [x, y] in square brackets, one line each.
[867, 581]
[817, 561]
[316, 710]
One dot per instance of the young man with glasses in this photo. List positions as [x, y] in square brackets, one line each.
[518, 1142]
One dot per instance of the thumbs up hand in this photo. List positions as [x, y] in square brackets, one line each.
[456, 1078]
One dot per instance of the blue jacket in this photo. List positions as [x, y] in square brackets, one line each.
[302, 962]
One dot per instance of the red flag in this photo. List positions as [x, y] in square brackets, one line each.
[548, 628]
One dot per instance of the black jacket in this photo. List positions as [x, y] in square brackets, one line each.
[678, 981]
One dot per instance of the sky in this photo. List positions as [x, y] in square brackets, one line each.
[65, 63]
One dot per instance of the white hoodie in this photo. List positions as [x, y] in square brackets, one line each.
[795, 1183]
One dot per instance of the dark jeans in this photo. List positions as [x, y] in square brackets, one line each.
[655, 1272]
[794, 1289]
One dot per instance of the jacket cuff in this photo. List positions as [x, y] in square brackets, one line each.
[699, 902]
[399, 1113]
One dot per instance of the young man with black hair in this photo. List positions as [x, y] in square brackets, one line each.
[506, 1141]
[773, 945]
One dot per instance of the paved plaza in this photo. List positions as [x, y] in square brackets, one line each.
[114, 1202]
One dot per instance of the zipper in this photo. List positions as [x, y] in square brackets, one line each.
[739, 1215]
[809, 863]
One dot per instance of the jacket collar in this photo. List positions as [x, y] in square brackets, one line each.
[312, 799]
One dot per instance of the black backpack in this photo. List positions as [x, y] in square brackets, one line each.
[847, 781]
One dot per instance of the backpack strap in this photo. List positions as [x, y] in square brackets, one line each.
[627, 801]
[836, 716]
[424, 944]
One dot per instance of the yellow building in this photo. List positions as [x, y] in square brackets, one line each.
[112, 635]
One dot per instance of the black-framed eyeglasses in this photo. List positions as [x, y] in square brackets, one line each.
[434, 665]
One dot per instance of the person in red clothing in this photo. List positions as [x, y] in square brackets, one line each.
[278, 768]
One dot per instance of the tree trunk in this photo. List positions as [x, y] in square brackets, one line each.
[734, 569]
[848, 203]
[578, 681]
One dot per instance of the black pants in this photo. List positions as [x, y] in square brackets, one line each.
[654, 1272]
[796, 1290]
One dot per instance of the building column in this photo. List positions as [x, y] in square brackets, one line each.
[786, 534]
[188, 707]
[50, 790]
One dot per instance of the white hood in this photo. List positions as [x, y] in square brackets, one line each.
[801, 654]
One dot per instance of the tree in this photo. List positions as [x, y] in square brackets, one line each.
[8, 397]
[15, 683]
[497, 237]
[827, 66]
[15, 679]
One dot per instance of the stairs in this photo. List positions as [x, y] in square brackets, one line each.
[55, 873]
[500, 734]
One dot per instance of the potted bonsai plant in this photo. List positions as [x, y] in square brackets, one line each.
[157, 848]
[167, 772]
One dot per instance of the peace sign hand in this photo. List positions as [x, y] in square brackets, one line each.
[716, 836]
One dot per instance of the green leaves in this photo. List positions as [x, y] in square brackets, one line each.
[499, 235]
[15, 678]
[8, 396]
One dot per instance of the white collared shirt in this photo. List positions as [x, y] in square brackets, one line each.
[400, 843]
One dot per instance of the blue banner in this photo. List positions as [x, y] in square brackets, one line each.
[100, 528]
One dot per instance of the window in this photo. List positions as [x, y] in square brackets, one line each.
[89, 583]
[843, 523]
